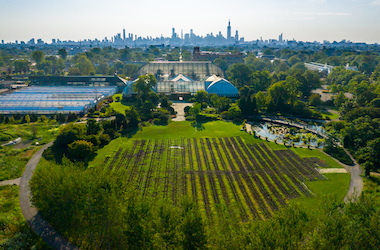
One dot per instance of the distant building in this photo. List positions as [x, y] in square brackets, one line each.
[229, 57]
[326, 68]
[92, 81]
[229, 30]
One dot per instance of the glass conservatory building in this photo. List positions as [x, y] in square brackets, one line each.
[197, 71]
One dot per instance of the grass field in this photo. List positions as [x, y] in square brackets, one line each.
[221, 166]
[14, 158]
[118, 106]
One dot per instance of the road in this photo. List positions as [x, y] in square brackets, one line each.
[30, 213]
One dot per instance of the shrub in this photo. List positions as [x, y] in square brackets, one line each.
[104, 139]
[80, 150]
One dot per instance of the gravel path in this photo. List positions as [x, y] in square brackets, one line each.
[10, 182]
[31, 215]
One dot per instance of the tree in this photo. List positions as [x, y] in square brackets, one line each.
[38, 56]
[240, 74]
[80, 150]
[221, 63]
[21, 65]
[72, 117]
[62, 53]
[192, 226]
[143, 87]
[315, 100]
[26, 119]
[102, 68]
[201, 96]
[93, 128]
[340, 99]
[234, 112]
[124, 55]
[68, 135]
[85, 66]
[132, 117]
[277, 98]
[260, 100]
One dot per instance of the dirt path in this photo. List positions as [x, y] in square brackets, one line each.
[10, 182]
[31, 215]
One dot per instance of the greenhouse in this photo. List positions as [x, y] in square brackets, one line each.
[51, 100]
[182, 85]
[197, 71]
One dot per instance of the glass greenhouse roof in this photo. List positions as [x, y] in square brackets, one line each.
[49, 100]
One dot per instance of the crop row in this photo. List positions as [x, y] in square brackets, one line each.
[245, 177]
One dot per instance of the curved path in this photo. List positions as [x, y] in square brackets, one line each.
[31, 215]
[356, 183]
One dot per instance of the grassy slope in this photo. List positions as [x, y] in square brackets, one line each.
[337, 183]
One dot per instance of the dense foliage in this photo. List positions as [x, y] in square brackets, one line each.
[96, 209]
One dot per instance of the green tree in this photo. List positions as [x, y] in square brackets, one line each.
[21, 66]
[240, 74]
[62, 53]
[80, 150]
[93, 128]
[339, 99]
[277, 97]
[38, 56]
[85, 66]
[132, 117]
[201, 96]
[102, 68]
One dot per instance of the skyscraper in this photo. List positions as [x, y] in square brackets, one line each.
[229, 30]
[123, 34]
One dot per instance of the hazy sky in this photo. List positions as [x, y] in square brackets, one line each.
[306, 20]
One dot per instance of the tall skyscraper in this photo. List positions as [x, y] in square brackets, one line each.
[173, 33]
[280, 38]
[237, 36]
[229, 30]
[123, 34]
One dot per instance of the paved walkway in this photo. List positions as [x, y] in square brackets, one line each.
[179, 108]
[10, 182]
[356, 183]
[31, 215]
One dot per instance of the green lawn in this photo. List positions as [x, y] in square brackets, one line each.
[118, 106]
[337, 184]
[14, 158]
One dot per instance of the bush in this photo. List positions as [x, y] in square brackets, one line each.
[80, 150]
[104, 139]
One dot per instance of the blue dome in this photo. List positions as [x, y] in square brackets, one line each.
[222, 87]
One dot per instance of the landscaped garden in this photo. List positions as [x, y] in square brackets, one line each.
[211, 174]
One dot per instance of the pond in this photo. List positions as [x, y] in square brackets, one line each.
[299, 137]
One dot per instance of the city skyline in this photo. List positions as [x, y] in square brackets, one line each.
[311, 20]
